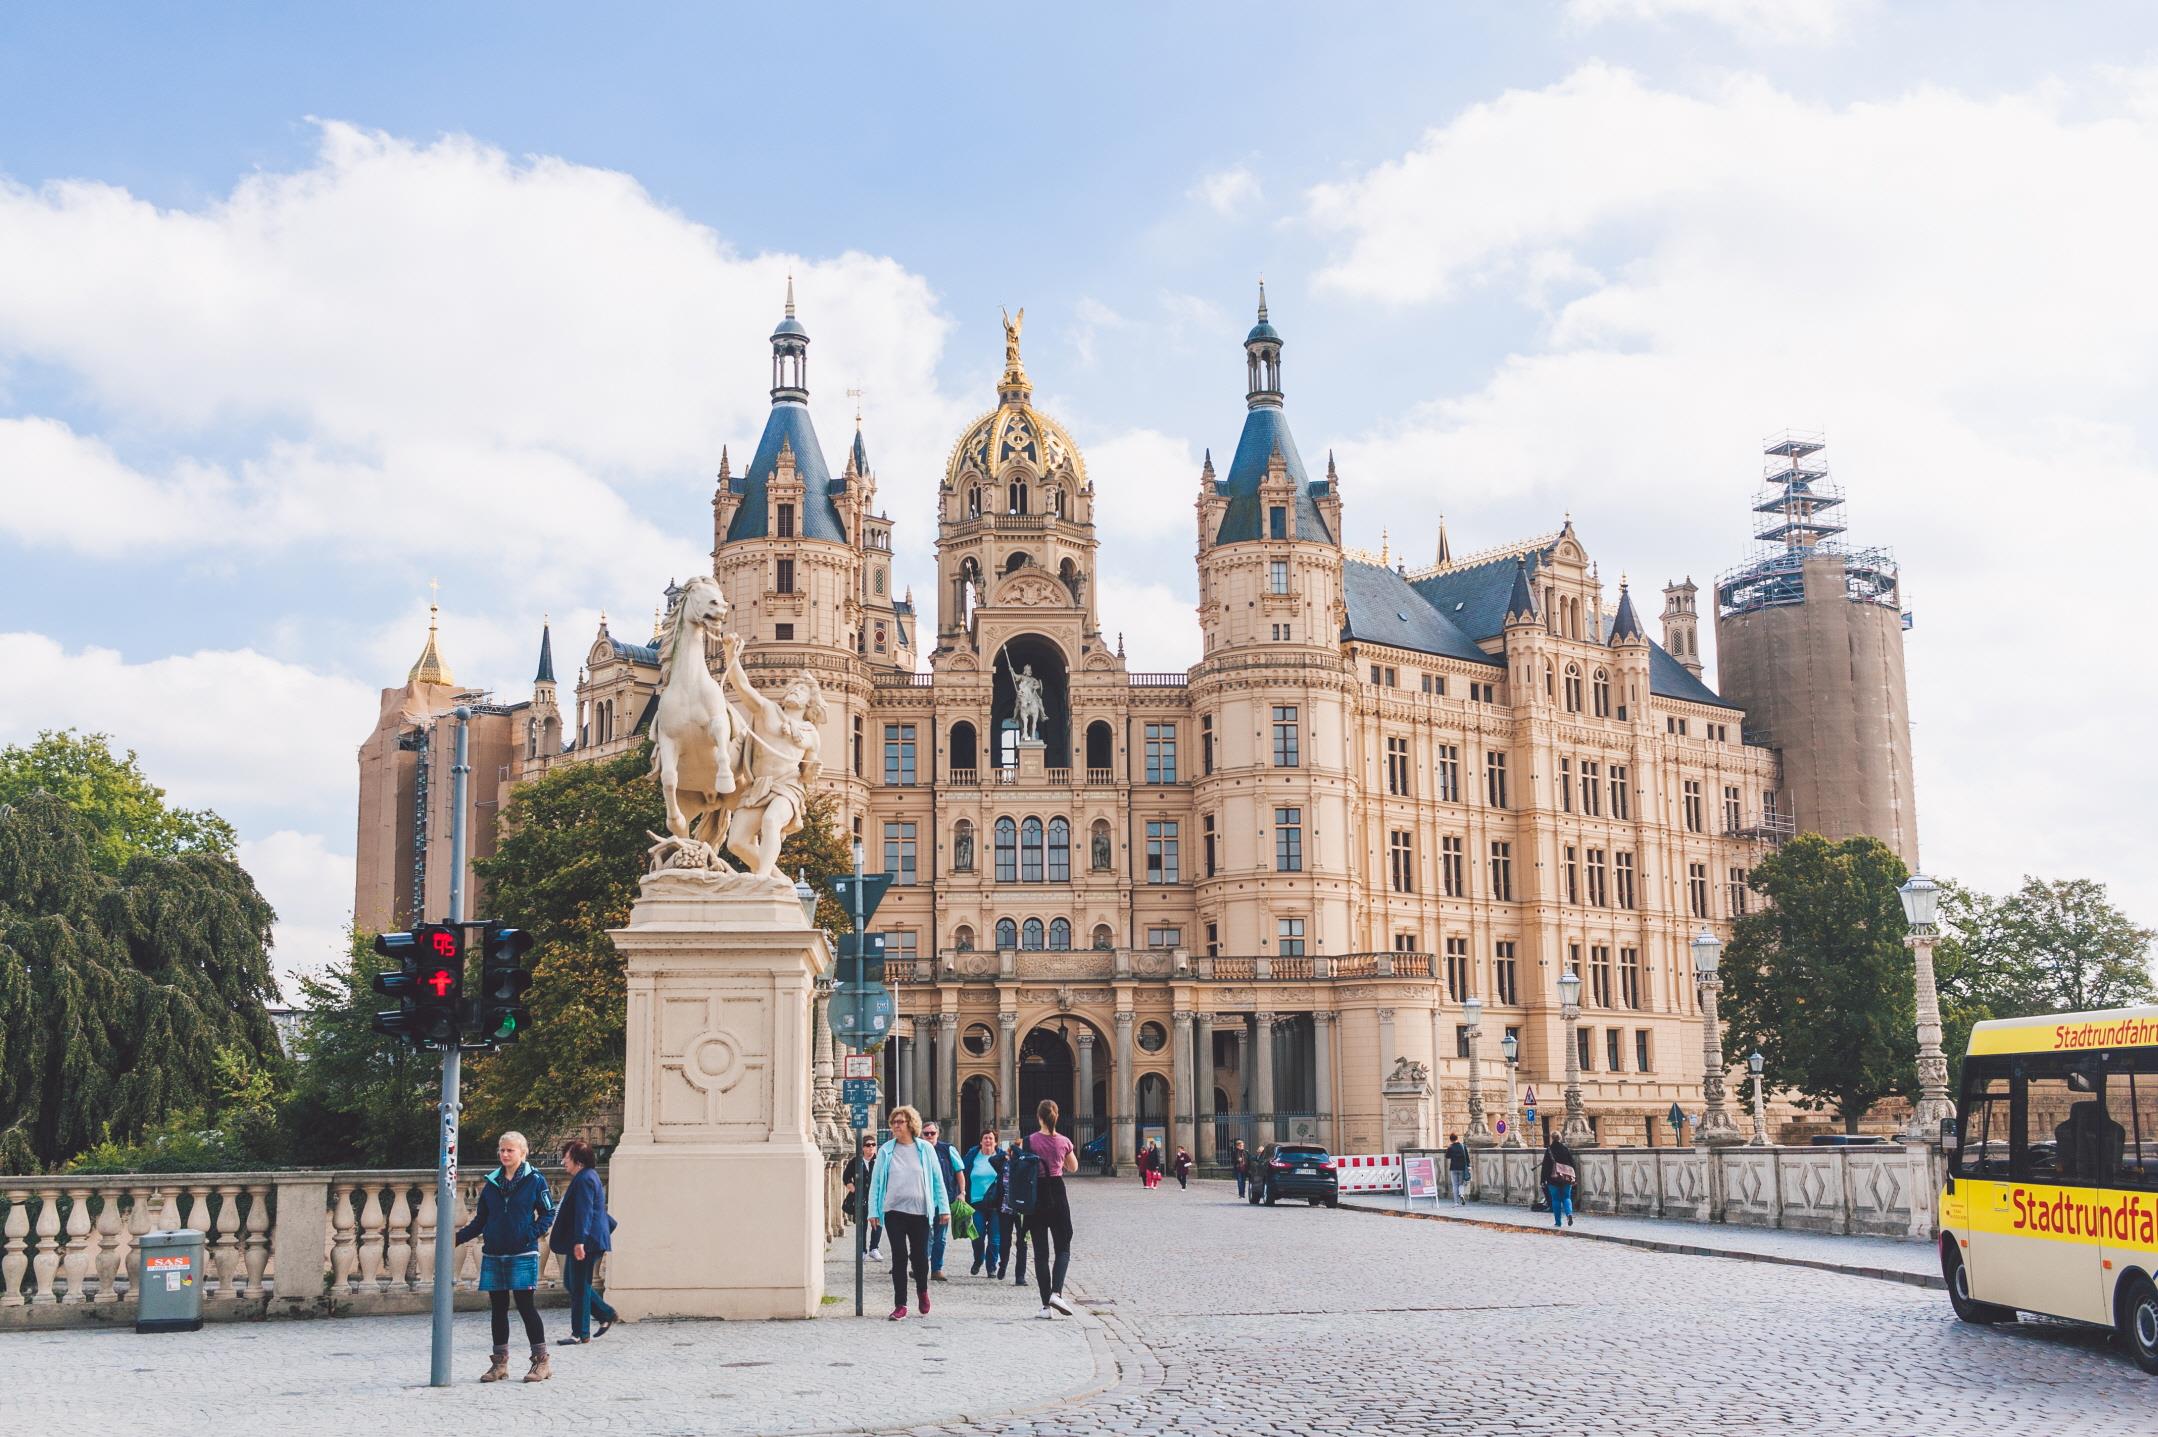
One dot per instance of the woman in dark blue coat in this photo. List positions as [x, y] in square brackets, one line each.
[514, 1214]
[582, 1231]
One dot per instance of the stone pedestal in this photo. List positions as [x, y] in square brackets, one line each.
[1407, 1105]
[718, 1182]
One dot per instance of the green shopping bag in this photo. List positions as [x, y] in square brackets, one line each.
[962, 1218]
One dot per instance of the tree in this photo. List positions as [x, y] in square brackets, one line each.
[566, 870]
[1820, 981]
[127, 814]
[118, 990]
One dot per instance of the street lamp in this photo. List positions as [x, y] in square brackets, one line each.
[1755, 1063]
[1479, 1134]
[1921, 906]
[1575, 1131]
[1511, 1046]
[807, 897]
[1716, 1128]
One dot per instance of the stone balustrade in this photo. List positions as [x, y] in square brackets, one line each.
[1885, 1190]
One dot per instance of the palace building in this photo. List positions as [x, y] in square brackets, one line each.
[1219, 903]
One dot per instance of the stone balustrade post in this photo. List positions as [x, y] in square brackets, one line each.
[108, 1246]
[13, 1259]
[46, 1260]
[400, 1236]
[78, 1245]
[299, 1233]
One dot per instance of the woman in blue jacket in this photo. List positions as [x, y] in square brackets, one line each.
[582, 1231]
[907, 1195]
[515, 1213]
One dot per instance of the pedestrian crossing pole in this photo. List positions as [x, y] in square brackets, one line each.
[445, 1294]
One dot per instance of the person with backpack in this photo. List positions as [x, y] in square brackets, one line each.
[985, 1189]
[515, 1211]
[1457, 1167]
[1036, 1181]
[1239, 1162]
[948, 1162]
[1559, 1174]
[581, 1234]
[1014, 1220]
[907, 1195]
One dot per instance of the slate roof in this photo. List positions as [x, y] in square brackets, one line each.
[1668, 678]
[1266, 429]
[1626, 624]
[545, 675]
[789, 424]
[635, 653]
[1474, 598]
[1385, 609]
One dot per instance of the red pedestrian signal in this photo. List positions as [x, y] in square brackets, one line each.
[447, 942]
[441, 982]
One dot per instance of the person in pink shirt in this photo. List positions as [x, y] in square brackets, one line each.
[1050, 1224]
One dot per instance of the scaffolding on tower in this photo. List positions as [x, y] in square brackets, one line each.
[1796, 502]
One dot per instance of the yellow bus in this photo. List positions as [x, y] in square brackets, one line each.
[2051, 1200]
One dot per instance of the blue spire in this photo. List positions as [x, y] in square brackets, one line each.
[1521, 603]
[546, 663]
[1626, 624]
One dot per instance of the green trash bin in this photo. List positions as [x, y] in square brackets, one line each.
[170, 1298]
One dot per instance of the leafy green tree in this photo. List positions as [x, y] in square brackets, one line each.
[118, 990]
[572, 850]
[127, 814]
[359, 1098]
[1819, 980]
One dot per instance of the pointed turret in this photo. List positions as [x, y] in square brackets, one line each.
[1266, 450]
[789, 438]
[428, 668]
[1446, 551]
[1521, 603]
[545, 672]
[1626, 624]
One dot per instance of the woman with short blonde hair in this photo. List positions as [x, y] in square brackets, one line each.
[906, 1195]
[515, 1211]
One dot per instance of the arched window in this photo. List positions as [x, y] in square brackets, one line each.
[1551, 683]
[1573, 688]
[1100, 745]
[964, 748]
[1030, 936]
[963, 846]
[1600, 692]
[974, 501]
[1056, 502]
[963, 939]
[1007, 851]
[1060, 851]
[1103, 938]
[1102, 858]
[1030, 851]
[1015, 561]
[1060, 933]
[1018, 495]
[1007, 933]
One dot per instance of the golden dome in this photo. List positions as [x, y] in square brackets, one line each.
[1015, 433]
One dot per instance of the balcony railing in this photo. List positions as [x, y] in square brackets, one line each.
[963, 777]
[1160, 681]
[1101, 778]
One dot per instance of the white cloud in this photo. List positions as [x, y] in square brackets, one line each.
[1227, 192]
[1157, 624]
[1145, 485]
[1808, 21]
[311, 889]
[1956, 288]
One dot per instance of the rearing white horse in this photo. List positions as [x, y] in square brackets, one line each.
[693, 734]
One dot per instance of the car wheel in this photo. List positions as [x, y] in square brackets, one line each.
[1333, 1202]
[2138, 1309]
[1968, 1308]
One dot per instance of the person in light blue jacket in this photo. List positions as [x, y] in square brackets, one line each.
[907, 1195]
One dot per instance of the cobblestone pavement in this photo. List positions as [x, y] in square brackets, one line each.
[1201, 1315]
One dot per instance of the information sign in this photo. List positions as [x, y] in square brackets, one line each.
[857, 1065]
[1422, 1175]
[859, 1090]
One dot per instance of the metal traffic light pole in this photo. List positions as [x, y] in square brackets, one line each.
[445, 1294]
[861, 1218]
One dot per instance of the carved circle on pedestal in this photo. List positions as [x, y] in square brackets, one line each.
[713, 1061]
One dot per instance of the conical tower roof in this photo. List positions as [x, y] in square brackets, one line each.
[428, 668]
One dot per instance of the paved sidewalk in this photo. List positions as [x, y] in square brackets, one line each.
[981, 1354]
[1885, 1258]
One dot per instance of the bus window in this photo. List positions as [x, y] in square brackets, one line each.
[2068, 1137]
[1982, 1134]
[2139, 1163]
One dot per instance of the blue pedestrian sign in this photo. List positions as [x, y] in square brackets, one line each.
[860, 1114]
[859, 1090]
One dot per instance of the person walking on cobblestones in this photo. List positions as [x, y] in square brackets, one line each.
[1150, 1165]
[1015, 1225]
[1183, 1169]
[1240, 1162]
[1457, 1167]
[985, 1189]
[1050, 1223]
[1559, 1174]
[515, 1211]
[907, 1194]
[856, 1176]
[948, 1166]
[581, 1232]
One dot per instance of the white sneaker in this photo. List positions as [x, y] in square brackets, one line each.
[1046, 1313]
[1056, 1300]
[873, 1255]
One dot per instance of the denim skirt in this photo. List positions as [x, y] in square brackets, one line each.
[509, 1271]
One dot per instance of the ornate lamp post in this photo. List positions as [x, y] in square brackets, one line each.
[1511, 1046]
[1754, 1064]
[1479, 1134]
[1716, 1128]
[1575, 1131]
[1921, 905]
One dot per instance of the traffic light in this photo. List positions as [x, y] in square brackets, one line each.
[440, 983]
[401, 983]
[500, 1013]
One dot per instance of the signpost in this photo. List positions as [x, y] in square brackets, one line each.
[862, 1011]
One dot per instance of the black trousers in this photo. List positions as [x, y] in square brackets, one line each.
[499, 1312]
[1015, 1243]
[1050, 1227]
[909, 1232]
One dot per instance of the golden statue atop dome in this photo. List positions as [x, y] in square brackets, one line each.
[1014, 385]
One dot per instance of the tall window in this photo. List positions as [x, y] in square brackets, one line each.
[1620, 808]
[1277, 522]
[1566, 784]
[1697, 889]
[1453, 877]
[1502, 872]
[1495, 779]
[1060, 933]
[1599, 892]
[1630, 980]
[1206, 843]
[1213, 940]
[1016, 495]
[858, 746]
[1734, 817]
[902, 948]
[1457, 969]
[1007, 851]
[1206, 744]
[1060, 851]
[1735, 893]
[1397, 767]
[1161, 860]
[1007, 933]
[1585, 1048]
[1030, 850]
[1641, 1050]
[1161, 753]
[1600, 693]
[1573, 874]
[899, 753]
[1600, 976]
[1288, 840]
[1622, 872]
[1448, 772]
[1592, 788]
[1573, 688]
[784, 581]
[1289, 937]
[1030, 933]
[1693, 805]
[786, 521]
[1612, 1059]
[899, 852]
[1285, 737]
[1277, 576]
[1505, 974]
[1401, 860]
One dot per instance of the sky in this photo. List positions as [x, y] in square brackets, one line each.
[301, 309]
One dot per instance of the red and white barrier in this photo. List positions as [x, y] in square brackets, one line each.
[1369, 1173]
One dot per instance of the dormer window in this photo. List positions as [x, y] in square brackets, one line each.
[784, 580]
[1277, 522]
[784, 523]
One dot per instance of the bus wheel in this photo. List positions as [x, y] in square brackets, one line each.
[1959, 1290]
[2138, 1307]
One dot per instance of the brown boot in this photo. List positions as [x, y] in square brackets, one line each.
[498, 1367]
[542, 1365]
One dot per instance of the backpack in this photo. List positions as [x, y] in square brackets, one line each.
[1022, 1182]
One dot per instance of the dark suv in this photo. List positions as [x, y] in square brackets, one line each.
[1294, 1170]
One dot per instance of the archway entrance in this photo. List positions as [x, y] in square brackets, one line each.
[1045, 1071]
[1048, 662]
